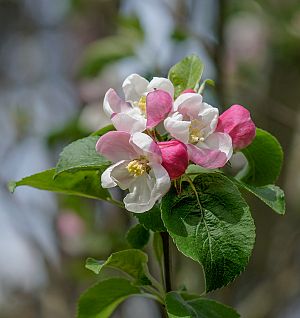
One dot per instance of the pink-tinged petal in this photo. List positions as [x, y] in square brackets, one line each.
[145, 146]
[115, 146]
[189, 105]
[131, 121]
[177, 127]
[114, 104]
[174, 157]
[158, 106]
[161, 83]
[213, 153]
[189, 90]
[121, 175]
[236, 122]
[147, 189]
[134, 87]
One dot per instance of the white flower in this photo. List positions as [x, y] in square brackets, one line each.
[137, 167]
[194, 122]
[145, 105]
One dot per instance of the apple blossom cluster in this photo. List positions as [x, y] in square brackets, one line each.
[145, 161]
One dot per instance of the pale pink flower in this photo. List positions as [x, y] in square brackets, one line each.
[194, 122]
[137, 167]
[175, 158]
[236, 122]
[145, 105]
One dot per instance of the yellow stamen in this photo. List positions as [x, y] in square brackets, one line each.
[138, 167]
[195, 132]
[142, 104]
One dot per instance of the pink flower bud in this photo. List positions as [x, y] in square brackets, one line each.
[174, 157]
[236, 122]
[189, 90]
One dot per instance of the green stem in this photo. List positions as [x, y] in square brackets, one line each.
[167, 264]
[117, 203]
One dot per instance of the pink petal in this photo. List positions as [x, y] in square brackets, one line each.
[158, 105]
[236, 122]
[130, 122]
[207, 158]
[189, 105]
[174, 157]
[189, 90]
[113, 103]
[115, 146]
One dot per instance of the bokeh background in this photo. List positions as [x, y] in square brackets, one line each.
[57, 59]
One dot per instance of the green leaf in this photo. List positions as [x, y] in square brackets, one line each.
[211, 223]
[102, 299]
[102, 131]
[180, 307]
[264, 156]
[81, 183]
[151, 219]
[203, 85]
[81, 155]
[138, 236]
[270, 194]
[186, 74]
[131, 262]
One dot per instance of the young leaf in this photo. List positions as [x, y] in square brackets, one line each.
[151, 219]
[270, 194]
[131, 262]
[100, 132]
[264, 158]
[211, 223]
[138, 236]
[186, 74]
[81, 155]
[81, 183]
[180, 307]
[103, 298]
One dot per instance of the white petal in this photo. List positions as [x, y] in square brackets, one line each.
[161, 83]
[146, 146]
[106, 179]
[147, 189]
[121, 175]
[134, 87]
[131, 121]
[177, 127]
[189, 104]
[218, 141]
[208, 116]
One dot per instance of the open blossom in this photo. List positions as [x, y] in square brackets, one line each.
[194, 123]
[175, 158]
[145, 105]
[137, 167]
[236, 122]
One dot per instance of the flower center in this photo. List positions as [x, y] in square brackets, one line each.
[195, 132]
[138, 167]
[142, 104]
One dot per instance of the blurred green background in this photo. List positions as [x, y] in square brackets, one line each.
[57, 60]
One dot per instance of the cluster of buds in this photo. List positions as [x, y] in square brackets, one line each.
[142, 162]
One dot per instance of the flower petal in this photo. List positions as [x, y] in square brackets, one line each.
[115, 146]
[131, 121]
[236, 122]
[144, 145]
[147, 189]
[134, 87]
[121, 175]
[177, 127]
[158, 105]
[113, 103]
[189, 105]
[106, 178]
[161, 83]
[213, 153]
[208, 116]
